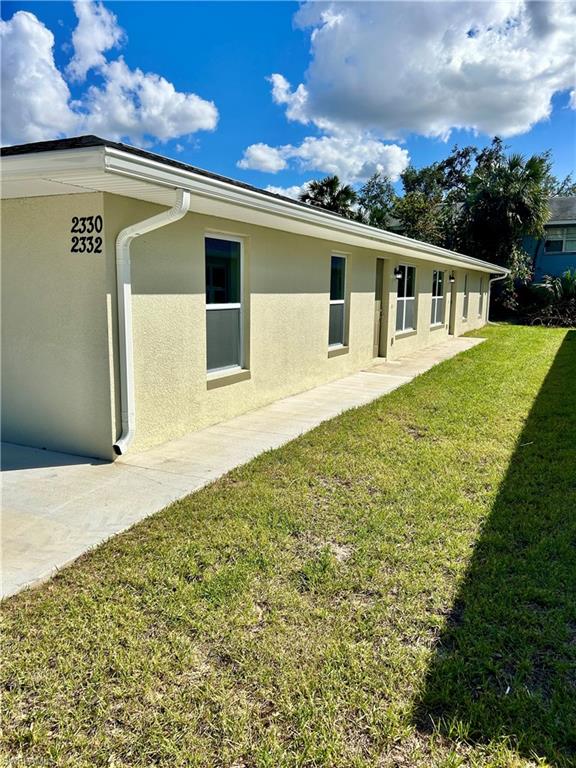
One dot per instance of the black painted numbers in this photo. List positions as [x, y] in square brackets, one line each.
[85, 234]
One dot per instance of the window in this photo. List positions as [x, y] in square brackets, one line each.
[466, 299]
[437, 317]
[223, 303]
[405, 299]
[337, 301]
[481, 299]
[560, 240]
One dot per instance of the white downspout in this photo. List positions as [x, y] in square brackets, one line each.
[492, 280]
[124, 290]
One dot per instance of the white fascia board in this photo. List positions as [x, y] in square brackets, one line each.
[156, 172]
[52, 165]
[81, 166]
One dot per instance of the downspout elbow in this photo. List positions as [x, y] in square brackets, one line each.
[124, 299]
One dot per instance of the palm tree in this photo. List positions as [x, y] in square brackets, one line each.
[330, 194]
[506, 199]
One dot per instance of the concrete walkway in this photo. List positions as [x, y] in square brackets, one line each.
[56, 506]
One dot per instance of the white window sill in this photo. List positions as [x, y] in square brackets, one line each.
[224, 376]
[434, 326]
[405, 332]
[337, 349]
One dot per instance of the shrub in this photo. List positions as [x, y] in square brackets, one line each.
[554, 303]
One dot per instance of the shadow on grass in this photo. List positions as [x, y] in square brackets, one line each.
[506, 664]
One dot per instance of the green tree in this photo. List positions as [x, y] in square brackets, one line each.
[507, 198]
[376, 200]
[431, 207]
[330, 194]
[419, 216]
[565, 187]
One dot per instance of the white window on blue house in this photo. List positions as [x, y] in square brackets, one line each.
[223, 303]
[337, 322]
[560, 240]
[406, 299]
[437, 316]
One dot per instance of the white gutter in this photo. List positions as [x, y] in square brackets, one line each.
[124, 298]
[156, 172]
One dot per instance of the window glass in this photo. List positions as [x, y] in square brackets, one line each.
[437, 313]
[401, 282]
[337, 277]
[222, 271]
[410, 314]
[410, 275]
[223, 338]
[336, 326]
[570, 242]
[400, 315]
[337, 300]
[466, 297]
[405, 301]
[553, 246]
[223, 304]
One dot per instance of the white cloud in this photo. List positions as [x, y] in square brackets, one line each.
[35, 96]
[351, 156]
[295, 101]
[426, 68]
[138, 105]
[124, 104]
[97, 31]
[262, 157]
[294, 192]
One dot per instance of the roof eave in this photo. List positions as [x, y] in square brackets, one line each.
[153, 171]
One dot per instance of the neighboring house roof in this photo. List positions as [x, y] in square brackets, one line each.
[89, 163]
[562, 210]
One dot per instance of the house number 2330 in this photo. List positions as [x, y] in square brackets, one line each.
[86, 234]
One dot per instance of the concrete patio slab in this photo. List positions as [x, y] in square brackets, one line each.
[56, 506]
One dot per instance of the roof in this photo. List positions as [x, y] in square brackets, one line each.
[90, 163]
[562, 210]
[80, 142]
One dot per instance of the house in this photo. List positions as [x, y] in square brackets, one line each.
[143, 298]
[555, 253]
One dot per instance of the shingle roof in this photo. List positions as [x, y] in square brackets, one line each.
[562, 209]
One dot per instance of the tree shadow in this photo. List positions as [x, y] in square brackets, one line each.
[505, 665]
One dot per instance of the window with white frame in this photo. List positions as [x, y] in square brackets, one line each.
[481, 299]
[223, 257]
[437, 316]
[337, 322]
[406, 299]
[466, 299]
[560, 240]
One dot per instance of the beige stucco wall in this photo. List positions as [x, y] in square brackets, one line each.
[56, 352]
[286, 284]
[60, 362]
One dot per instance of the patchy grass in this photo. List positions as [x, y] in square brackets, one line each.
[395, 588]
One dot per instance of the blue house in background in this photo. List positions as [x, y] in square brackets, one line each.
[555, 253]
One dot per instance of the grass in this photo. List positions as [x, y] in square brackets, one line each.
[395, 588]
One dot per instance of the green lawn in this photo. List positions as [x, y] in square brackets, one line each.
[395, 588]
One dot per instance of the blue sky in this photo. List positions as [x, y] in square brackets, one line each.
[363, 103]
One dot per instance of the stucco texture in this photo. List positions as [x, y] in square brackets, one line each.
[60, 332]
[56, 383]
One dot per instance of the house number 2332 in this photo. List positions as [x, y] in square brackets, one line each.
[86, 234]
